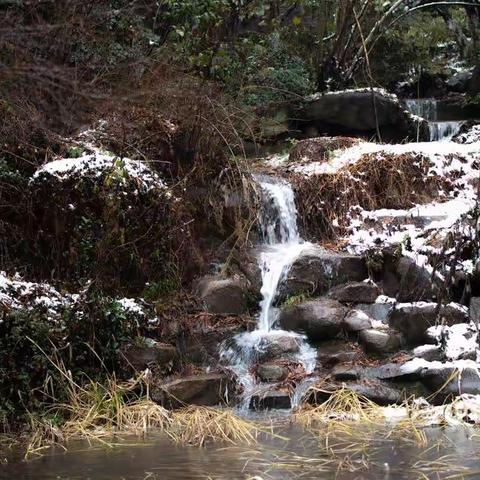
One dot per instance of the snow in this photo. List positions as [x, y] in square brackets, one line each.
[459, 339]
[422, 226]
[131, 305]
[472, 136]
[94, 164]
[379, 91]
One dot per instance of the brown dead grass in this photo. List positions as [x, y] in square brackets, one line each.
[374, 182]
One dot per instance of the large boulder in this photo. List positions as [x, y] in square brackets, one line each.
[355, 292]
[318, 319]
[207, 389]
[353, 113]
[413, 319]
[316, 270]
[223, 295]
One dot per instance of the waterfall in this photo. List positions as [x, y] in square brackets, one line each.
[278, 221]
[281, 245]
[443, 130]
[423, 107]
[427, 108]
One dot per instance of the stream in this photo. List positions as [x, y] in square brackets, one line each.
[449, 453]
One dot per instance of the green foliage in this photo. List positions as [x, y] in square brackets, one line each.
[296, 299]
[87, 341]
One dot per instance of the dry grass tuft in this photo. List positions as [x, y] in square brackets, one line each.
[343, 405]
[199, 425]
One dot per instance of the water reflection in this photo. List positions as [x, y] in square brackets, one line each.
[448, 454]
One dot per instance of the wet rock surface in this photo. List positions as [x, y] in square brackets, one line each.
[318, 319]
[271, 399]
[208, 389]
[272, 372]
[272, 347]
[316, 270]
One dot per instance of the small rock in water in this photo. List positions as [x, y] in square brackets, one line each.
[272, 372]
[277, 346]
[273, 399]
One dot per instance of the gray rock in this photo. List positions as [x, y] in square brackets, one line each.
[380, 341]
[415, 282]
[203, 389]
[356, 321]
[271, 399]
[378, 392]
[395, 372]
[146, 352]
[474, 310]
[345, 373]
[318, 319]
[336, 352]
[275, 346]
[353, 112]
[376, 311]
[458, 82]
[316, 270]
[431, 353]
[447, 381]
[223, 295]
[272, 372]
[355, 292]
[413, 319]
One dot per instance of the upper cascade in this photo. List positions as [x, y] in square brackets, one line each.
[427, 108]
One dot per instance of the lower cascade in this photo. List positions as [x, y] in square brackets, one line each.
[281, 245]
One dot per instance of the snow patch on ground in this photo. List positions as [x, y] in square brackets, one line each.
[94, 164]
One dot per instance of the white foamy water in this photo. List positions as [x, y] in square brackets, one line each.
[443, 131]
[427, 108]
[282, 245]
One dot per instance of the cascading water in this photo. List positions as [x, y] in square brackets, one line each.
[282, 245]
[427, 108]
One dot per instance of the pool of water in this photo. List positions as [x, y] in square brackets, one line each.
[350, 455]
